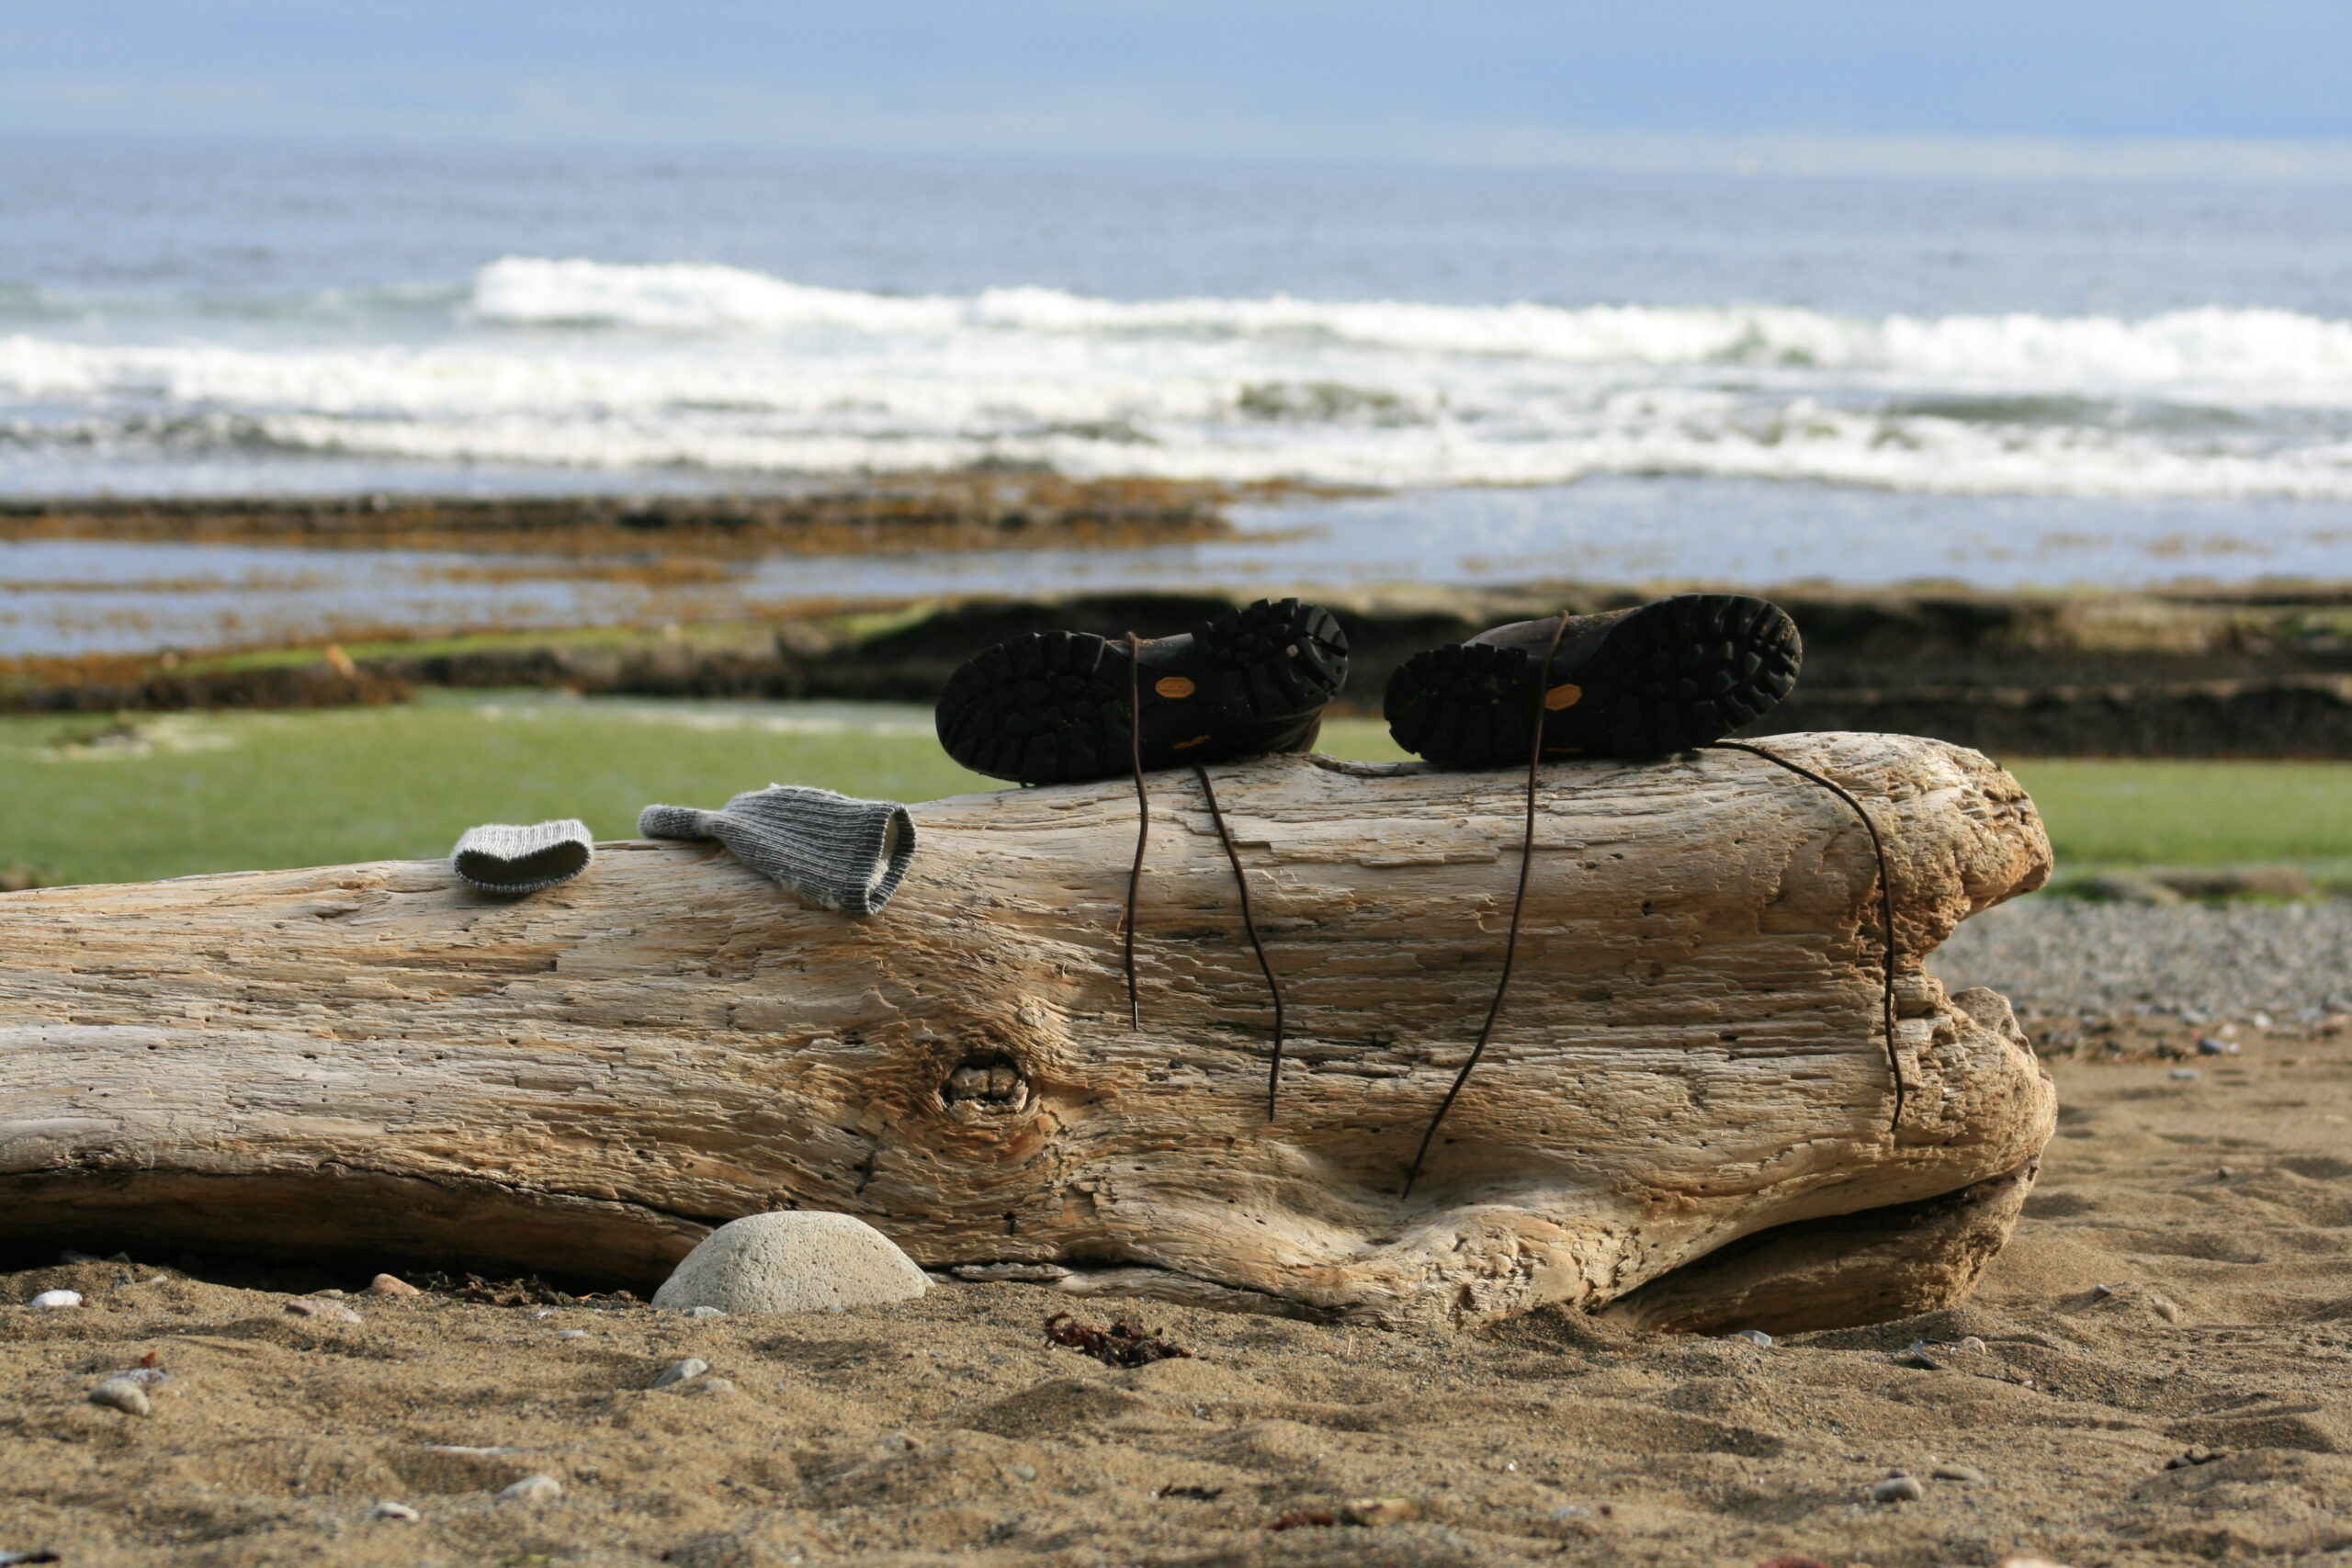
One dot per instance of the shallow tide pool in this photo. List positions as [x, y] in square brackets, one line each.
[95, 596]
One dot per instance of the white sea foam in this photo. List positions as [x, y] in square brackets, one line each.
[528, 291]
[2273, 351]
[585, 364]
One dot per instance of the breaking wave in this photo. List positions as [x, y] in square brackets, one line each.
[2270, 350]
[590, 366]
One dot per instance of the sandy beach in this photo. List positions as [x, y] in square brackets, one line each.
[2154, 1373]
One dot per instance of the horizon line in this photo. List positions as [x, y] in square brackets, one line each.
[1783, 153]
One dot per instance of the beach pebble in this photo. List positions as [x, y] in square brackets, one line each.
[123, 1395]
[679, 1372]
[2185, 1074]
[533, 1489]
[2207, 1045]
[389, 1509]
[711, 1385]
[572, 1334]
[796, 1261]
[1967, 1473]
[1897, 1489]
[324, 1311]
[706, 1312]
[1972, 1345]
[2164, 1307]
[391, 1285]
[57, 1299]
[1753, 1335]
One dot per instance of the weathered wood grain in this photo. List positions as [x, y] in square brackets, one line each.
[372, 1058]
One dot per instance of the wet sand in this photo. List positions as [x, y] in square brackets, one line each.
[2217, 1210]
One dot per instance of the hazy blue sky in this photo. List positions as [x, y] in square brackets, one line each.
[2255, 82]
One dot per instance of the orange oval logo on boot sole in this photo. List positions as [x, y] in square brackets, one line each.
[1172, 686]
[1562, 696]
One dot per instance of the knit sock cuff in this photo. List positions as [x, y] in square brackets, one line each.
[507, 857]
[898, 855]
[876, 851]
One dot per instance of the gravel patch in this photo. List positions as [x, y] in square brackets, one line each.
[2054, 956]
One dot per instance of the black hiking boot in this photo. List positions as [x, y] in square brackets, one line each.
[1663, 677]
[1053, 707]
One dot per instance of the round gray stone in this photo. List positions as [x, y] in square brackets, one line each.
[680, 1371]
[795, 1262]
[123, 1395]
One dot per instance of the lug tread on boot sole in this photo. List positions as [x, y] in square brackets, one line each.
[1686, 670]
[1051, 707]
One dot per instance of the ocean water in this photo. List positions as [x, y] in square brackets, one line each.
[1544, 372]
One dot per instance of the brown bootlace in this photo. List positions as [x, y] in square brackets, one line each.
[1249, 924]
[1518, 908]
[1143, 819]
[1885, 897]
[1134, 873]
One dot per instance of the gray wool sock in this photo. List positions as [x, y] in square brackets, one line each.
[502, 857]
[844, 854]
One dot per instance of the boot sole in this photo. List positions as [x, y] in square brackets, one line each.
[1677, 675]
[1052, 707]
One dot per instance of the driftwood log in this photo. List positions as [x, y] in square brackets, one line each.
[1685, 1112]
